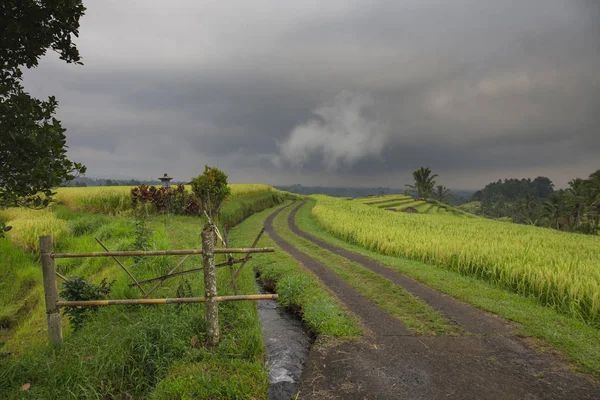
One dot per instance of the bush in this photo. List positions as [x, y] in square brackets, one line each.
[78, 289]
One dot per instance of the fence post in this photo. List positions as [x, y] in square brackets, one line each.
[210, 286]
[50, 289]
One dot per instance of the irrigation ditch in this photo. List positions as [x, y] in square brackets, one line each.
[287, 343]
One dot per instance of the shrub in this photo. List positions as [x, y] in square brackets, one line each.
[78, 289]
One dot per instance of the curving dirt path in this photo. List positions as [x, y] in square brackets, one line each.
[389, 362]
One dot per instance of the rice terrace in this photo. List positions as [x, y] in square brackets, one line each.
[299, 200]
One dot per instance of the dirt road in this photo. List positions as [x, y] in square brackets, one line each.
[389, 362]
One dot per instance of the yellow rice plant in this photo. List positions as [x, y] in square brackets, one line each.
[247, 190]
[28, 225]
[115, 200]
[560, 269]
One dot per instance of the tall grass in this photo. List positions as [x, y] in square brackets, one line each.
[19, 278]
[28, 225]
[111, 200]
[560, 269]
[115, 200]
[135, 351]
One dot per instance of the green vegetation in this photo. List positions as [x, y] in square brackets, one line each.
[413, 312]
[560, 269]
[127, 349]
[298, 289]
[576, 339]
[229, 379]
[535, 202]
[402, 202]
[117, 201]
[424, 182]
[33, 150]
[20, 287]
[441, 193]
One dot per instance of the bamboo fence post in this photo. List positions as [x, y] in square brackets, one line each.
[50, 289]
[210, 286]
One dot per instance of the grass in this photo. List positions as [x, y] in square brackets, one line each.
[372, 201]
[235, 379]
[578, 341]
[140, 351]
[152, 352]
[560, 269]
[298, 289]
[115, 200]
[418, 316]
[401, 202]
[28, 225]
[18, 282]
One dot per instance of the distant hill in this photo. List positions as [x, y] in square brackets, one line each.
[404, 203]
[458, 196]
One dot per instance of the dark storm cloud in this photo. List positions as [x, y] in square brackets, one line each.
[345, 93]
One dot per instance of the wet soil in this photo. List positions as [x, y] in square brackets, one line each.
[389, 362]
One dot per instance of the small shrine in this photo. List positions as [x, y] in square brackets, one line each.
[166, 179]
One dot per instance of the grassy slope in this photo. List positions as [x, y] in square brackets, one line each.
[400, 203]
[21, 309]
[577, 340]
[132, 349]
[413, 312]
[22, 306]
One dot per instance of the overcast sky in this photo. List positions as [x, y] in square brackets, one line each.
[339, 93]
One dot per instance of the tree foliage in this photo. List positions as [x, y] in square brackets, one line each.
[211, 189]
[424, 182]
[535, 202]
[33, 156]
[441, 193]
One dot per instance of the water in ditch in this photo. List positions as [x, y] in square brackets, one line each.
[287, 344]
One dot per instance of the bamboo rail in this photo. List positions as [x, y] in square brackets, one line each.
[161, 252]
[177, 300]
[163, 278]
[190, 271]
[122, 267]
[245, 259]
[64, 278]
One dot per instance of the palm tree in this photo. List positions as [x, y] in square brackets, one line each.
[592, 191]
[424, 182]
[575, 201]
[552, 209]
[593, 188]
[441, 193]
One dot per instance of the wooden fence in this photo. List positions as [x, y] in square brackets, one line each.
[53, 303]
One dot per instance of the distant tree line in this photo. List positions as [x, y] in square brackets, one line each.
[536, 202]
[85, 181]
